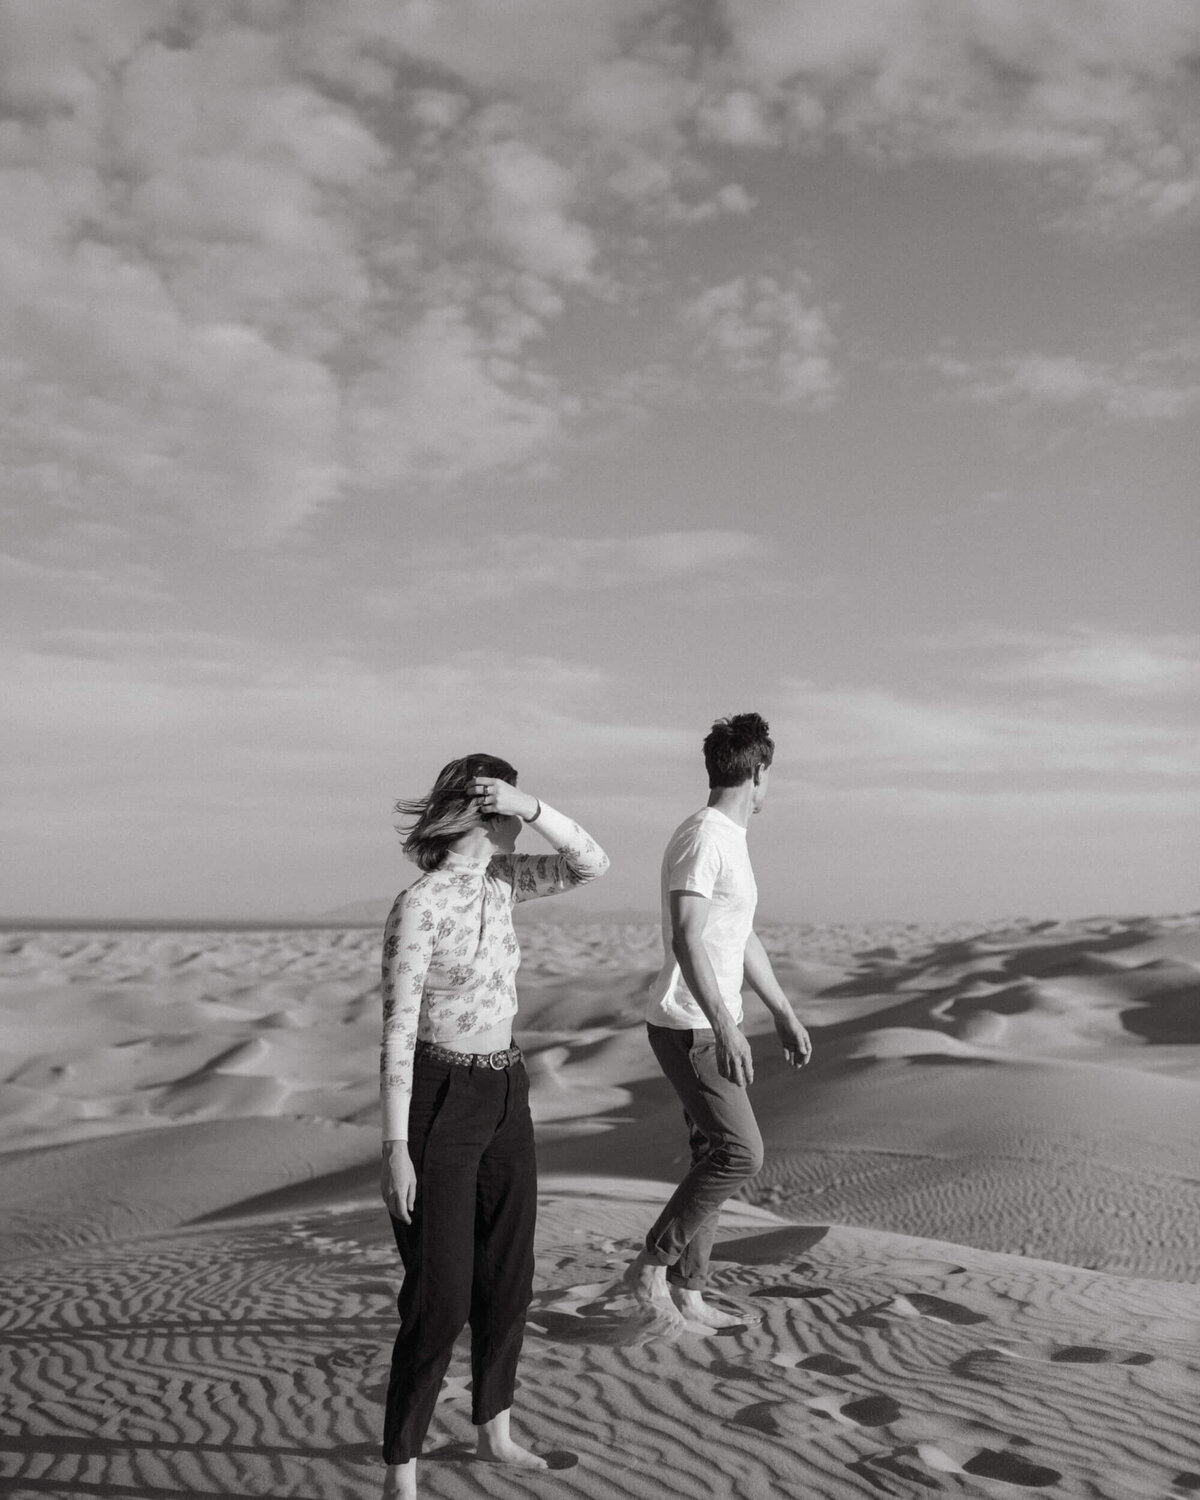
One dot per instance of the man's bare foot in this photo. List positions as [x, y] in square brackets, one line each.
[648, 1283]
[647, 1280]
[401, 1481]
[694, 1308]
[497, 1446]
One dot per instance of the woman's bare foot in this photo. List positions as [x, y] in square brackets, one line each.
[496, 1446]
[401, 1481]
[694, 1308]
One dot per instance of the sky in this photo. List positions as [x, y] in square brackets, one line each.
[387, 380]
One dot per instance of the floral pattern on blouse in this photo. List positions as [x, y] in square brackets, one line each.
[450, 955]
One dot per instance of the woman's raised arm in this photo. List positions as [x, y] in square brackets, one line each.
[577, 859]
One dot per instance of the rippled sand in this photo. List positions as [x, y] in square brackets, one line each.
[969, 1267]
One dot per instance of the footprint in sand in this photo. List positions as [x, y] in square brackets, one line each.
[867, 1318]
[985, 1364]
[753, 1372]
[986, 1463]
[819, 1364]
[1002, 1463]
[915, 1461]
[1094, 1354]
[774, 1418]
[991, 1361]
[923, 1305]
[873, 1411]
[352, 1357]
[784, 1418]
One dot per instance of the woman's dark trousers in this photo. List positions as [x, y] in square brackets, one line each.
[468, 1253]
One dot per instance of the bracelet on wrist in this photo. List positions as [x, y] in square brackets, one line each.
[537, 814]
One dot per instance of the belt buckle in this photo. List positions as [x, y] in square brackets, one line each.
[499, 1060]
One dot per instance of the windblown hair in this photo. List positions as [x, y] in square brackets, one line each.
[734, 748]
[449, 810]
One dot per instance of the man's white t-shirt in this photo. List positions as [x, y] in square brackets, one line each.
[707, 854]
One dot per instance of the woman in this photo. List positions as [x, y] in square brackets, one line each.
[459, 1176]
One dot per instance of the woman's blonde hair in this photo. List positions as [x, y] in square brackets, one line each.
[449, 810]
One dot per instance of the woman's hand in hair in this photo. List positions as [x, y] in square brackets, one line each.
[497, 799]
[398, 1181]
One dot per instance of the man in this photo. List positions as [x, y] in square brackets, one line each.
[694, 1017]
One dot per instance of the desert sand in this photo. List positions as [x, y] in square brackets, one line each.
[971, 1265]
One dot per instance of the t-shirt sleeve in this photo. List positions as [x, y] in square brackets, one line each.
[693, 864]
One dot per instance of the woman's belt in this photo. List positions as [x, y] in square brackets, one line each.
[504, 1058]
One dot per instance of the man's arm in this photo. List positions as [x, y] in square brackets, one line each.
[689, 912]
[760, 976]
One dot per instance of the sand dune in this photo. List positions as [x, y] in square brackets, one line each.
[197, 1279]
[248, 1358]
[955, 1094]
[1070, 1161]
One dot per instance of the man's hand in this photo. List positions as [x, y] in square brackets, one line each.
[797, 1045]
[398, 1180]
[734, 1059]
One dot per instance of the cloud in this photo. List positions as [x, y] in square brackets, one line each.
[1097, 97]
[446, 403]
[1154, 385]
[530, 197]
[1051, 766]
[1044, 809]
[204, 723]
[1112, 662]
[521, 44]
[508, 565]
[1117, 666]
[969, 735]
[207, 695]
[173, 272]
[220, 776]
[234, 294]
[739, 117]
[128, 582]
[108, 393]
[766, 334]
[195, 235]
[634, 96]
[259, 260]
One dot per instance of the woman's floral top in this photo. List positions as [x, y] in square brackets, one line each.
[450, 955]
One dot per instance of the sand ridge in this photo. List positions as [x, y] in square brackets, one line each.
[197, 1280]
[249, 1358]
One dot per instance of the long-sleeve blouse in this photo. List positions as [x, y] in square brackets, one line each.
[450, 955]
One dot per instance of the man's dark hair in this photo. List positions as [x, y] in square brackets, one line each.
[734, 748]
